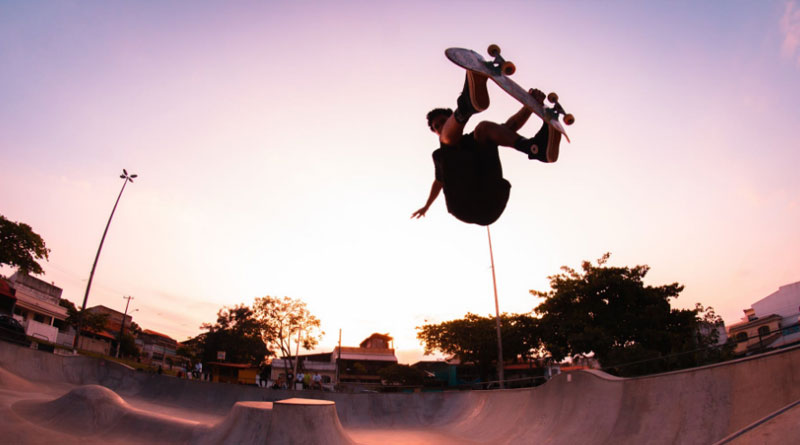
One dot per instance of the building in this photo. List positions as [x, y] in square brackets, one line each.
[755, 334]
[37, 307]
[99, 341]
[113, 318]
[354, 366]
[241, 373]
[769, 323]
[111, 331]
[377, 341]
[361, 365]
[322, 364]
[157, 347]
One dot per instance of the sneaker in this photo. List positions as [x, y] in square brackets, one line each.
[544, 146]
[478, 94]
[474, 96]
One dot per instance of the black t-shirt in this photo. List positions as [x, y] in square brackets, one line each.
[472, 178]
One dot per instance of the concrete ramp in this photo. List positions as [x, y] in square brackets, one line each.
[784, 423]
[96, 412]
[701, 405]
[291, 421]
[247, 422]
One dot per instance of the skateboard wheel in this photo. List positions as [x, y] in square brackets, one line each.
[569, 119]
[493, 50]
[508, 68]
[552, 97]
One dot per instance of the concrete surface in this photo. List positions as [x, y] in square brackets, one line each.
[46, 398]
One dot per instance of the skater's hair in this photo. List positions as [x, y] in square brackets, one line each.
[436, 112]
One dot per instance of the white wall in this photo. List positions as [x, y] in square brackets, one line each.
[66, 338]
[784, 302]
[41, 331]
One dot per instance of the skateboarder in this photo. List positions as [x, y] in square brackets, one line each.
[467, 166]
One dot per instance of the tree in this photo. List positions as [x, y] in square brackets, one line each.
[128, 346]
[188, 352]
[238, 333]
[474, 338]
[628, 326]
[283, 320]
[402, 375]
[21, 247]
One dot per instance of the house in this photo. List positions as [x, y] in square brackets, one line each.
[323, 364]
[241, 373]
[113, 318]
[99, 341]
[354, 366]
[157, 347]
[769, 323]
[37, 307]
[361, 365]
[755, 334]
[113, 327]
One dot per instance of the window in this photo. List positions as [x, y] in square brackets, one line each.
[763, 331]
[742, 336]
[44, 319]
[793, 329]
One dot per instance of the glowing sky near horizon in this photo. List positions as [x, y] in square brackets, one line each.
[281, 148]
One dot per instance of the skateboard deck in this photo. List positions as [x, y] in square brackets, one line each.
[499, 70]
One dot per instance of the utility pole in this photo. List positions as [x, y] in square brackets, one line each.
[126, 178]
[500, 371]
[122, 329]
[338, 358]
[296, 358]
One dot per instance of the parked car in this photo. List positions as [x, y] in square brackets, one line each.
[11, 330]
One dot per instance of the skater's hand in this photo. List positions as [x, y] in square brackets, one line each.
[419, 213]
[538, 95]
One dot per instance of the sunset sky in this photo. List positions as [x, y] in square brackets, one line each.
[281, 148]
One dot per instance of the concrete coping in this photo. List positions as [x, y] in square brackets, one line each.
[305, 402]
[256, 405]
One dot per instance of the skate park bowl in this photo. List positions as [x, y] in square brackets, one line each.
[47, 398]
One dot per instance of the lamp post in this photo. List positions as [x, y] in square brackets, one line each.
[125, 179]
[500, 370]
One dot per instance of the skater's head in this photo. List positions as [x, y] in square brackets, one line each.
[437, 117]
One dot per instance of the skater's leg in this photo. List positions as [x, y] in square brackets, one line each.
[491, 133]
[451, 131]
[543, 147]
[474, 98]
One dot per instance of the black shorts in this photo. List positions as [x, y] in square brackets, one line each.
[474, 187]
[482, 206]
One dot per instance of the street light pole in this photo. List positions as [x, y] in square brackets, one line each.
[126, 178]
[500, 370]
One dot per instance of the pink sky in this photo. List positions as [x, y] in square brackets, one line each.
[282, 147]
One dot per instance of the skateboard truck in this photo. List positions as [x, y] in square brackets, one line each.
[557, 109]
[499, 65]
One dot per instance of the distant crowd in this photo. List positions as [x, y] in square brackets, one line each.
[301, 381]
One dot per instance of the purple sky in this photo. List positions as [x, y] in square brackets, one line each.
[282, 147]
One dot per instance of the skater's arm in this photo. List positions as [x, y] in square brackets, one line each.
[515, 122]
[436, 187]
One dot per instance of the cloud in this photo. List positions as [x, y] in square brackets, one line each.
[790, 28]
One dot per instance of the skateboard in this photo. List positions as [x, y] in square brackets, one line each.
[498, 69]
